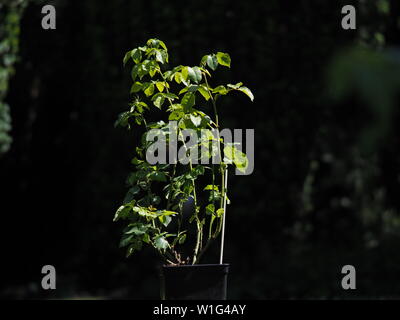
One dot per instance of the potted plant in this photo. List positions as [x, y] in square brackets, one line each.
[171, 175]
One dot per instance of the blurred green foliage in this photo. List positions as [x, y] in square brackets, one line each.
[10, 14]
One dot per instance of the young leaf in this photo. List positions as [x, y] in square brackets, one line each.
[210, 187]
[194, 74]
[183, 90]
[220, 89]
[210, 209]
[160, 86]
[247, 91]
[165, 220]
[196, 120]
[162, 44]
[235, 86]
[212, 61]
[161, 56]
[161, 243]
[232, 154]
[136, 55]
[224, 59]
[122, 212]
[153, 43]
[149, 90]
[204, 92]
[126, 57]
[178, 77]
[158, 101]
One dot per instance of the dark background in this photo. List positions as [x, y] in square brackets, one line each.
[319, 197]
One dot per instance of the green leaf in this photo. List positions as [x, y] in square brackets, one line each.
[161, 56]
[176, 115]
[144, 68]
[196, 120]
[175, 107]
[149, 90]
[185, 73]
[235, 86]
[183, 90]
[178, 77]
[220, 212]
[204, 92]
[158, 100]
[165, 220]
[142, 211]
[232, 154]
[170, 96]
[136, 87]
[122, 212]
[188, 100]
[126, 57]
[136, 55]
[210, 209]
[247, 92]
[135, 161]
[224, 59]
[123, 119]
[220, 89]
[212, 61]
[135, 72]
[160, 86]
[194, 74]
[146, 238]
[137, 228]
[162, 44]
[153, 43]
[166, 212]
[161, 243]
[211, 187]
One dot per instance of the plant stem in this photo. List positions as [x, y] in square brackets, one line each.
[199, 224]
[172, 177]
[223, 219]
[224, 173]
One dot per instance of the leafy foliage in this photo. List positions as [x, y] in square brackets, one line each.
[143, 208]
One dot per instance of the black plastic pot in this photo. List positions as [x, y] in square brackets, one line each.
[194, 282]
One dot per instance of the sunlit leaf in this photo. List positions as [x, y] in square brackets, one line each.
[224, 59]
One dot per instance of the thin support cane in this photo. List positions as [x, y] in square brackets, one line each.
[223, 218]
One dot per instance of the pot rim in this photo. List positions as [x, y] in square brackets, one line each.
[167, 266]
